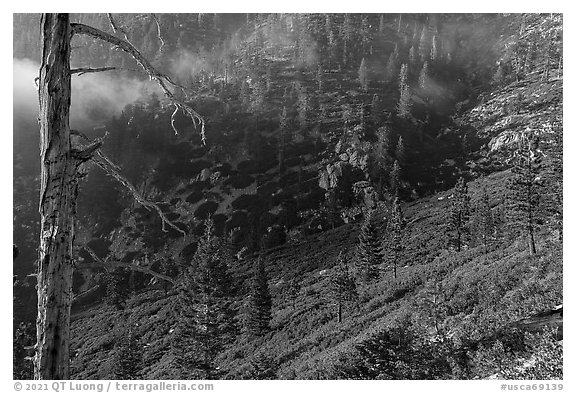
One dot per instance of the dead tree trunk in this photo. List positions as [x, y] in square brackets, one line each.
[58, 190]
[60, 161]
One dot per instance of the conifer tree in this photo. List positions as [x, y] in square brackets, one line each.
[116, 289]
[363, 75]
[395, 179]
[423, 47]
[404, 104]
[423, 78]
[375, 109]
[259, 303]
[434, 50]
[391, 67]
[403, 75]
[127, 359]
[303, 107]
[400, 152]
[342, 286]
[525, 189]
[381, 158]
[369, 253]
[396, 240]
[459, 213]
[205, 320]
[293, 291]
[412, 55]
[484, 220]
[262, 367]
[554, 181]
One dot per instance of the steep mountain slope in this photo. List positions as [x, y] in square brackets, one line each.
[480, 294]
[308, 123]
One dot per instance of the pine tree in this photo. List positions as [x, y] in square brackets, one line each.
[485, 228]
[342, 286]
[259, 311]
[381, 158]
[396, 241]
[403, 76]
[423, 78]
[412, 55]
[205, 321]
[390, 68]
[375, 110]
[127, 358]
[554, 181]
[369, 252]
[459, 213]
[363, 75]
[395, 179]
[262, 367]
[405, 103]
[400, 151]
[293, 291]
[525, 188]
[303, 107]
[434, 50]
[116, 289]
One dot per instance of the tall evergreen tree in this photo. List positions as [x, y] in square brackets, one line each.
[205, 323]
[485, 227]
[423, 78]
[117, 290]
[395, 179]
[459, 213]
[369, 252]
[404, 103]
[390, 67]
[434, 50]
[396, 240]
[342, 286]
[554, 180]
[127, 359]
[303, 107]
[400, 151]
[525, 189]
[293, 291]
[259, 312]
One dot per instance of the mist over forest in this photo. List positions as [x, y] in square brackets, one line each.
[378, 196]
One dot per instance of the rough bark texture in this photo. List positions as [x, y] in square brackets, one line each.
[58, 191]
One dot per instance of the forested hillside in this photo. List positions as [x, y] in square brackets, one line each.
[378, 196]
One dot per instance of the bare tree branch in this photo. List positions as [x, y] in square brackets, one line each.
[82, 71]
[106, 264]
[155, 18]
[163, 80]
[113, 170]
[117, 28]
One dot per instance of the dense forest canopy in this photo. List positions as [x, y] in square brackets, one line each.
[378, 196]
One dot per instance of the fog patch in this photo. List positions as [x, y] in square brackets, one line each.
[96, 97]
